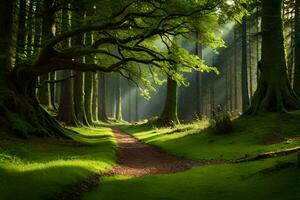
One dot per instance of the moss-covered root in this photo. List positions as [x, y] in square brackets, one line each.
[23, 116]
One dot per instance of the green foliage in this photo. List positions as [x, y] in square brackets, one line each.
[222, 123]
[153, 35]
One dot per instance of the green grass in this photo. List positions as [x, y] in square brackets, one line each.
[195, 141]
[40, 168]
[225, 182]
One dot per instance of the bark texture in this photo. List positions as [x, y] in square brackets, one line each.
[169, 115]
[297, 48]
[274, 92]
[102, 116]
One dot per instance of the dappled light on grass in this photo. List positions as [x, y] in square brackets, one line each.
[199, 142]
[256, 180]
[49, 166]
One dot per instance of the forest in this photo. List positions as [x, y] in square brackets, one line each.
[149, 99]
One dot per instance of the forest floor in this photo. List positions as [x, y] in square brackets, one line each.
[140, 159]
[276, 178]
[251, 136]
[42, 168]
[184, 162]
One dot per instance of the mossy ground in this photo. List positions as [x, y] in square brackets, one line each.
[251, 136]
[41, 168]
[258, 180]
[265, 179]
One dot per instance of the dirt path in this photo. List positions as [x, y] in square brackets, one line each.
[139, 159]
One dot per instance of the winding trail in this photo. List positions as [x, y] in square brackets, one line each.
[137, 159]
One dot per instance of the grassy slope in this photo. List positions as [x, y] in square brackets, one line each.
[254, 180]
[227, 182]
[40, 168]
[247, 139]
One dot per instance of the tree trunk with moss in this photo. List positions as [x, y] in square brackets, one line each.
[21, 38]
[169, 116]
[274, 92]
[88, 81]
[48, 32]
[102, 116]
[66, 112]
[95, 97]
[78, 40]
[297, 48]
[119, 99]
[52, 88]
[88, 90]
[245, 92]
[20, 112]
[79, 99]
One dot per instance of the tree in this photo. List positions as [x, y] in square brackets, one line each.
[274, 92]
[125, 40]
[137, 104]
[297, 48]
[169, 114]
[21, 37]
[102, 97]
[66, 112]
[119, 99]
[95, 97]
[245, 92]
[199, 102]
[48, 32]
[79, 81]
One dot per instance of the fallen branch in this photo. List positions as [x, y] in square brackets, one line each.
[268, 155]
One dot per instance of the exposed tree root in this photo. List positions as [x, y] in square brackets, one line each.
[268, 155]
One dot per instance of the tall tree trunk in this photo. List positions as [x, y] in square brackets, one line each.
[169, 115]
[212, 97]
[79, 78]
[21, 42]
[274, 92]
[102, 97]
[31, 30]
[79, 99]
[48, 32]
[20, 112]
[227, 87]
[52, 88]
[137, 104]
[119, 99]
[245, 93]
[198, 82]
[66, 112]
[88, 82]
[231, 78]
[37, 29]
[88, 91]
[6, 34]
[129, 100]
[250, 61]
[297, 48]
[236, 105]
[95, 97]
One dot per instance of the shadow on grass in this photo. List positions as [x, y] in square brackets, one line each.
[37, 184]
